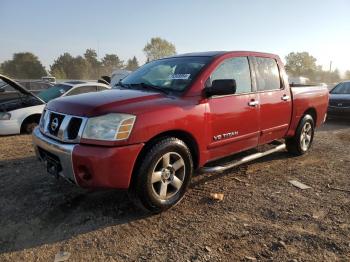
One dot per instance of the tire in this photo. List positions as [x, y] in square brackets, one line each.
[162, 178]
[304, 135]
[29, 127]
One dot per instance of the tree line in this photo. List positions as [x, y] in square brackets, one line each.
[26, 65]
[305, 65]
[87, 66]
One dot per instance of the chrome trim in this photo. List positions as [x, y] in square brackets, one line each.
[62, 134]
[62, 151]
[339, 107]
[219, 169]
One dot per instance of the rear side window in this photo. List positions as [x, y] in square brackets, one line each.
[267, 74]
[235, 68]
[82, 90]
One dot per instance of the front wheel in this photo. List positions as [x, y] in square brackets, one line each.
[163, 176]
[29, 127]
[304, 135]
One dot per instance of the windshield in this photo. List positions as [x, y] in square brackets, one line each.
[172, 74]
[342, 88]
[54, 92]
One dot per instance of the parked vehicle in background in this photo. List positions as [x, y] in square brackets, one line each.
[69, 88]
[176, 115]
[21, 109]
[49, 79]
[339, 101]
[293, 80]
[34, 86]
[118, 75]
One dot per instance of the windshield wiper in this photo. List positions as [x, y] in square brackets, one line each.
[153, 87]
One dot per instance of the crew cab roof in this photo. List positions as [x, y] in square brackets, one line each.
[218, 53]
[208, 54]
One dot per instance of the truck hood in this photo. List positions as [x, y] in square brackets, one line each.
[20, 88]
[94, 104]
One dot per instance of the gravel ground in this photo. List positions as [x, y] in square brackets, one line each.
[262, 217]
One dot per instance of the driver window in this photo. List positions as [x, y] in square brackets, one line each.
[235, 68]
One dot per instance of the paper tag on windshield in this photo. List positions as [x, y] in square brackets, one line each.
[180, 76]
[62, 91]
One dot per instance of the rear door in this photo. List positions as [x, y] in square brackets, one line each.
[233, 119]
[274, 98]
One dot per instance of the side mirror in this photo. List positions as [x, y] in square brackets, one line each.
[2, 90]
[221, 87]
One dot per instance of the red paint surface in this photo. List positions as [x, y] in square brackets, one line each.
[191, 113]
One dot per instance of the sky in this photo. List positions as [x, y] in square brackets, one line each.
[49, 28]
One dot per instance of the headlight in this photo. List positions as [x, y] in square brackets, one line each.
[109, 127]
[5, 116]
[43, 120]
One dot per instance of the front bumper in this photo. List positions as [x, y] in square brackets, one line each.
[9, 127]
[338, 111]
[62, 152]
[90, 166]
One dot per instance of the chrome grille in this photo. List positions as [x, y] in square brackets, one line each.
[62, 127]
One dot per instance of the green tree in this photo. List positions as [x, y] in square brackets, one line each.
[132, 64]
[23, 66]
[111, 62]
[301, 64]
[158, 48]
[94, 66]
[68, 67]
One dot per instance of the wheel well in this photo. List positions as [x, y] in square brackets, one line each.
[312, 112]
[187, 138]
[30, 119]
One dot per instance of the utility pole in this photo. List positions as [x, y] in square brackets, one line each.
[330, 66]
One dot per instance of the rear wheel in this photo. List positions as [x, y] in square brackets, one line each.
[302, 140]
[163, 176]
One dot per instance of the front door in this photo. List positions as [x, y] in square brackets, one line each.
[233, 119]
[274, 98]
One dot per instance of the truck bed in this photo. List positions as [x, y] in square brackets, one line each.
[304, 98]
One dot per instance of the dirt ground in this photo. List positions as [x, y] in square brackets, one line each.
[262, 216]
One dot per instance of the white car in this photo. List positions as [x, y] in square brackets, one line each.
[20, 109]
[118, 75]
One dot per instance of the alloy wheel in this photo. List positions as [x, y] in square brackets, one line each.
[168, 175]
[306, 136]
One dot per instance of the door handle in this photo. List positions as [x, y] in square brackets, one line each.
[253, 103]
[285, 98]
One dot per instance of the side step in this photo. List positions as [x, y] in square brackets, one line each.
[219, 169]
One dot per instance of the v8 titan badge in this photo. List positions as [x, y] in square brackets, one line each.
[225, 136]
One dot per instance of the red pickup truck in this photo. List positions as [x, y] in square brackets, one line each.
[176, 115]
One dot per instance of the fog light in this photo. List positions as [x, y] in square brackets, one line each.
[85, 173]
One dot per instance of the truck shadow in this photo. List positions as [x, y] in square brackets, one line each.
[35, 209]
